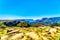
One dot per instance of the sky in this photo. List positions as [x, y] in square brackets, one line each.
[34, 9]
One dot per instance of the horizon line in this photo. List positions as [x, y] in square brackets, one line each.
[15, 18]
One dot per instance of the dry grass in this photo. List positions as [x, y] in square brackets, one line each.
[31, 33]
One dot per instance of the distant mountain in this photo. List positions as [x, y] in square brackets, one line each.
[25, 20]
[46, 21]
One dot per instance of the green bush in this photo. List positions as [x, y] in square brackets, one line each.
[2, 25]
[23, 24]
[54, 24]
[36, 25]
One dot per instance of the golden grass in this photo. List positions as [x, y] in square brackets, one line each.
[31, 33]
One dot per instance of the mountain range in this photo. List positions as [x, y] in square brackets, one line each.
[46, 21]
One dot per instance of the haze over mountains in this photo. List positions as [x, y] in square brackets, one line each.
[43, 20]
[46, 21]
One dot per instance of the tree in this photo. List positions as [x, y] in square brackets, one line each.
[23, 24]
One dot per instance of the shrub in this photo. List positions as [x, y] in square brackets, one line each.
[54, 24]
[36, 25]
[23, 24]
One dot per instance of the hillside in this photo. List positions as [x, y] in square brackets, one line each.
[29, 29]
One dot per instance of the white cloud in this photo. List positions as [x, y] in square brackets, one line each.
[11, 17]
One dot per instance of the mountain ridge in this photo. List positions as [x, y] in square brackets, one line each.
[46, 21]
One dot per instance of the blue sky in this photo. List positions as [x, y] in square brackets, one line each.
[14, 9]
